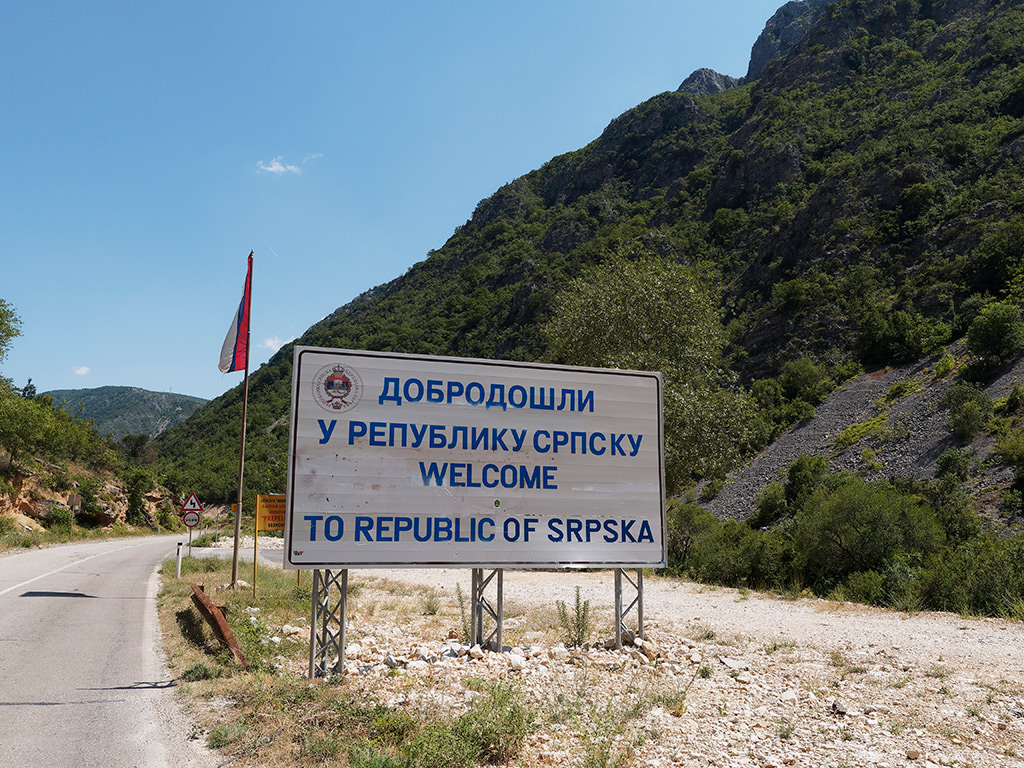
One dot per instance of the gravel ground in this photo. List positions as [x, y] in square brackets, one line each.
[726, 678]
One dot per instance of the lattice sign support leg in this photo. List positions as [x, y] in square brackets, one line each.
[327, 627]
[622, 632]
[481, 606]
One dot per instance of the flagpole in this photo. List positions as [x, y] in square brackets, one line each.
[241, 452]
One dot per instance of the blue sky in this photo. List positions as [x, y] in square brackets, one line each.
[149, 147]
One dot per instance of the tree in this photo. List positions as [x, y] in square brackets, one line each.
[138, 448]
[653, 314]
[10, 327]
[858, 527]
[22, 424]
[997, 333]
[138, 482]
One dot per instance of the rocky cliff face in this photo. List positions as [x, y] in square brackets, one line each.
[784, 30]
[34, 504]
[706, 82]
[782, 33]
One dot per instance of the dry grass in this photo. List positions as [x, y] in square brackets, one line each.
[272, 716]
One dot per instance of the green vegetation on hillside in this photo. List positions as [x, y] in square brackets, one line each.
[860, 205]
[906, 545]
[62, 454]
[121, 411]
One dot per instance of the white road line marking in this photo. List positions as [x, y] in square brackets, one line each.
[58, 570]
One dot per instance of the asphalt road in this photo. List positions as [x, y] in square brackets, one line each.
[82, 681]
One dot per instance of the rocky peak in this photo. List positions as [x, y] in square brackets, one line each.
[782, 33]
[705, 82]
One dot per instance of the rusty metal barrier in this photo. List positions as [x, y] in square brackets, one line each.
[215, 618]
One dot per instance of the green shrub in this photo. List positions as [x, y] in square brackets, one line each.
[859, 526]
[687, 523]
[59, 518]
[857, 432]
[805, 379]
[804, 475]
[430, 602]
[997, 333]
[226, 735]
[953, 463]
[1015, 400]
[945, 366]
[438, 745]
[138, 482]
[970, 410]
[575, 626]
[865, 587]
[497, 723]
[870, 459]
[983, 576]
[168, 518]
[898, 336]
[59, 480]
[771, 507]
[1009, 449]
[969, 420]
[393, 727]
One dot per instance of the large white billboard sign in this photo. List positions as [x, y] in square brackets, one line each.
[430, 461]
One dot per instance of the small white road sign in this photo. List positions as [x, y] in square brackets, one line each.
[190, 519]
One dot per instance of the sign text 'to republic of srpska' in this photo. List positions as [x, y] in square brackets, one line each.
[431, 461]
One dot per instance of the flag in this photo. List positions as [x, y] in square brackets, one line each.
[234, 355]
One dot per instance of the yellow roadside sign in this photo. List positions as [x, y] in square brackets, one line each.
[270, 512]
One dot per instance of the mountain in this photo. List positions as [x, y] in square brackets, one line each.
[857, 197]
[123, 411]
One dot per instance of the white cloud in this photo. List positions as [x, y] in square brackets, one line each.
[81, 370]
[307, 158]
[274, 343]
[275, 166]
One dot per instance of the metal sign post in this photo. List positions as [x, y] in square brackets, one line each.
[480, 606]
[190, 519]
[638, 601]
[327, 625]
[423, 461]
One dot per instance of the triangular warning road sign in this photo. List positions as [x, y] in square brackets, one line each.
[192, 504]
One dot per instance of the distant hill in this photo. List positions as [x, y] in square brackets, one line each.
[127, 410]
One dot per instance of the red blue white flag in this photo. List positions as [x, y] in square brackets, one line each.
[234, 355]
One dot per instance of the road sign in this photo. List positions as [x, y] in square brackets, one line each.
[419, 461]
[270, 512]
[190, 519]
[192, 504]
